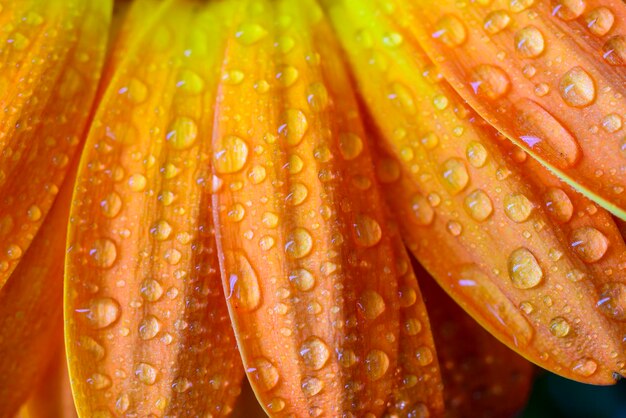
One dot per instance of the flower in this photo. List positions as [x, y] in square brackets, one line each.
[240, 182]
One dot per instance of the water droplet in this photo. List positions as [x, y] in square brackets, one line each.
[34, 213]
[589, 243]
[518, 6]
[577, 88]
[302, 279]
[612, 123]
[529, 42]
[103, 253]
[559, 327]
[99, 381]
[299, 243]
[182, 133]
[524, 269]
[317, 96]
[558, 204]
[314, 353]
[111, 205]
[243, 282]
[181, 385]
[293, 126]
[311, 386]
[149, 327]
[298, 193]
[250, 33]
[136, 92]
[151, 290]
[376, 364]
[612, 301]
[600, 21]
[543, 133]
[287, 76]
[568, 9]
[517, 207]
[270, 220]
[276, 404]
[454, 175]
[476, 154]
[424, 213]
[412, 326]
[371, 304]
[585, 367]
[137, 182]
[350, 146]
[231, 155]
[190, 82]
[496, 21]
[263, 373]
[489, 81]
[161, 230]
[367, 231]
[454, 228]
[424, 356]
[450, 30]
[478, 205]
[236, 212]
[146, 373]
[402, 97]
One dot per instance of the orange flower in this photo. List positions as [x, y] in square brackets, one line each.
[239, 200]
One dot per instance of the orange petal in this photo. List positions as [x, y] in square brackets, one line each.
[475, 217]
[31, 308]
[308, 262]
[147, 327]
[482, 377]
[53, 396]
[51, 59]
[548, 74]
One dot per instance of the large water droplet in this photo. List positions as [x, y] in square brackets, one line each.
[302, 279]
[496, 21]
[299, 243]
[371, 304]
[517, 207]
[293, 126]
[146, 373]
[589, 243]
[529, 42]
[182, 133]
[367, 231]
[568, 9]
[376, 364]
[454, 175]
[489, 81]
[314, 353]
[612, 301]
[311, 386]
[250, 33]
[558, 204]
[231, 155]
[103, 253]
[243, 282]
[577, 88]
[559, 327]
[478, 205]
[524, 270]
[149, 327]
[600, 21]
[614, 50]
[263, 373]
[450, 30]
[423, 211]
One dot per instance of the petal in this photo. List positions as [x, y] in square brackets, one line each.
[51, 58]
[146, 323]
[53, 396]
[549, 75]
[31, 308]
[308, 262]
[482, 377]
[489, 228]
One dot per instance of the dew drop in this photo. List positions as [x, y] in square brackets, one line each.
[489, 81]
[568, 9]
[529, 42]
[478, 205]
[600, 21]
[589, 243]
[585, 367]
[103, 253]
[518, 6]
[422, 210]
[367, 231]
[577, 88]
[111, 205]
[314, 353]
[612, 301]
[161, 230]
[149, 327]
[182, 133]
[558, 204]
[317, 96]
[496, 21]
[151, 290]
[376, 364]
[250, 33]
[450, 30]
[424, 356]
[350, 146]
[146, 373]
[476, 154]
[231, 155]
[454, 175]
[517, 207]
[371, 304]
[243, 282]
[302, 279]
[311, 386]
[559, 327]
[524, 269]
[263, 373]
[299, 243]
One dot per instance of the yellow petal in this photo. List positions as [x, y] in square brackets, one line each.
[147, 328]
